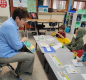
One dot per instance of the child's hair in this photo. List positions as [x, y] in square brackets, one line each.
[62, 27]
[84, 47]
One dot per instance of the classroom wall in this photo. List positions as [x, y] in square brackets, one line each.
[70, 4]
[4, 13]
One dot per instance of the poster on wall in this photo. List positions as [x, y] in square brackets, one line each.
[19, 3]
[3, 3]
[31, 5]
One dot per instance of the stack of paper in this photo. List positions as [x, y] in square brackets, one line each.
[41, 38]
[57, 46]
[77, 64]
[70, 69]
[44, 45]
[50, 39]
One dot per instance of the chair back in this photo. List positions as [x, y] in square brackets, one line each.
[80, 52]
[52, 26]
[34, 15]
[32, 23]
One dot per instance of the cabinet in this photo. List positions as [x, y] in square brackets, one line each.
[75, 20]
[58, 16]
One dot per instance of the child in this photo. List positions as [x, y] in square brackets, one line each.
[83, 59]
[77, 40]
[61, 33]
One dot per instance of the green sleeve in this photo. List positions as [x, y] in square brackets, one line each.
[79, 45]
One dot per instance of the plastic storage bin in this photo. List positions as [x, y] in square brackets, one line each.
[78, 24]
[82, 24]
[67, 29]
[84, 18]
[66, 40]
[78, 18]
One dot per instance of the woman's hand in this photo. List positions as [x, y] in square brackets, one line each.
[24, 39]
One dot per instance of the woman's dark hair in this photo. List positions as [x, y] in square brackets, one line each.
[62, 27]
[84, 47]
[20, 12]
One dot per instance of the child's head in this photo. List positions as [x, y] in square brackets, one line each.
[62, 28]
[84, 48]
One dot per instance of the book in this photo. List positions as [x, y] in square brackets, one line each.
[29, 46]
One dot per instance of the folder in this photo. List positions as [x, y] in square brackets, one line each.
[52, 49]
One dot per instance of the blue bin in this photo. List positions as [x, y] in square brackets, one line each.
[67, 29]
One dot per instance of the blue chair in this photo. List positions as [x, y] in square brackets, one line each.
[52, 26]
[32, 23]
[10, 67]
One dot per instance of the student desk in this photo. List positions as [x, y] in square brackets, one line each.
[65, 58]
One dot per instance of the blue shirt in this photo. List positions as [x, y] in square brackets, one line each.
[9, 39]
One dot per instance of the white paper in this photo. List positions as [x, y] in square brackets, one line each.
[50, 39]
[48, 49]
[70, 69]
[44, 45]
[59, 45]
[40, 38]
[84, 76]
[77, 64]
[19, 3]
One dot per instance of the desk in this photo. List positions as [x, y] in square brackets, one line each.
[65, 58]
[45, 21]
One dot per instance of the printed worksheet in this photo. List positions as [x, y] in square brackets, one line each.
[77, 64]
[70, 69]
[63, 75]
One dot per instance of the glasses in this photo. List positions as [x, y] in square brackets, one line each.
[25, 20]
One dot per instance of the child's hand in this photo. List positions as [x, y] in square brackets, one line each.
[56, 33]
[78, 60]
[52, 34]
[84, 63]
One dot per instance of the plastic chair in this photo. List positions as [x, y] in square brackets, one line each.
[80, 52]
[38, 26]
[11, 68]
[52, 26]
[66, 40]
[32, 23]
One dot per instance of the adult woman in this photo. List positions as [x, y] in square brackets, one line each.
[10, 42]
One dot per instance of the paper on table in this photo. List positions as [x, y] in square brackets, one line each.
[78, 64]
[70, 69]
[50, 39]
[44, 45]
[84, 76]
[48, 49]
[57, 46]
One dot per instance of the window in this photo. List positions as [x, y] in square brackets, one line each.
[79, 5]
[47, 3]
[56, 3]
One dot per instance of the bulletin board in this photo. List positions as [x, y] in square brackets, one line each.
[31, 6]
[13, 8]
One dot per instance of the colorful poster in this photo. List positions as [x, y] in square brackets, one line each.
[31, 5]
[19, 3]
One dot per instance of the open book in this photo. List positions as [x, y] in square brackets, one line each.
[29, 46]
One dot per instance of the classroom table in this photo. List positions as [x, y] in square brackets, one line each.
[49, 42]
[65, 58]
